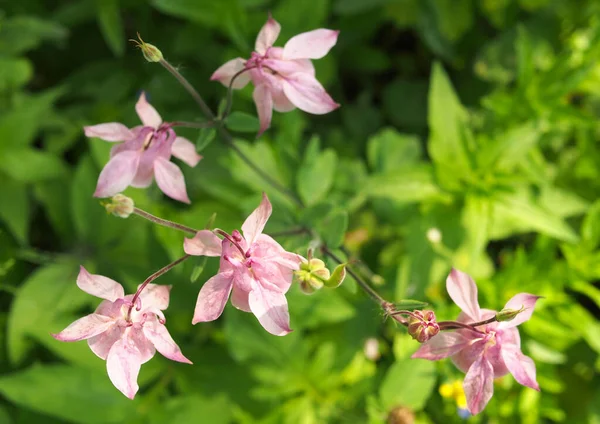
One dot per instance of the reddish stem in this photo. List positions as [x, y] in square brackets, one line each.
[150, 279]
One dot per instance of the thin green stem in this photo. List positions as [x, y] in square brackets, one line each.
[190, 89]
[362, 283]
[226, 136]
[163, 222]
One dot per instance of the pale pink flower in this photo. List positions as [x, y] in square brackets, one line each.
[254, 269]
[144, 155]
[283, 78]
[493, 351]
[124, 341]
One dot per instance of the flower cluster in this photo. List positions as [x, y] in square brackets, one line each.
[255, 271]
[485, 351]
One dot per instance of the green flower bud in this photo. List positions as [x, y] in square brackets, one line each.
[151, 53]
[120, 205]
[508, 314]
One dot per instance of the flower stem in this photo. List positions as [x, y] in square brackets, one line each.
[229, 101]
[163, 222]
[152, 278]
[226, 136]
[362, 283]
[190, 89]
[231, 240]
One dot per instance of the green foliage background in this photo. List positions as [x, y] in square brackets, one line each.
[478, 118]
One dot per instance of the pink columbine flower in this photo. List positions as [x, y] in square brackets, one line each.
[493, 351]
[144, 155]
[254, 269]
[284, 78]
[125, 339]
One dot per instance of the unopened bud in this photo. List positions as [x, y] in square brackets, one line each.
[120, 205]
[422, 325]
[151, 53]
[508, 314]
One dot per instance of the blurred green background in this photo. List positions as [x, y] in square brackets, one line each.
[476, 118]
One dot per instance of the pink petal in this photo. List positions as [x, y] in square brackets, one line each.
[463, 292]
[441, 346]
[264, 106]
[123, 365]
[103, 342]
[204, 243]
[228, 70]
[99, 286]
[479, 385]
[212, 298]
[155, 296]
[271, 309]
[185, 150]
[170, 180]
[141, 342]
[304, 91]
[517, 302]
[117, 174]
[266, 247]
[267, 36]
[158, 334]
[310, 45]
[84, 328]
[148, 115]
[239, 299]
[254, 225]
[520, 366]
[112, 131]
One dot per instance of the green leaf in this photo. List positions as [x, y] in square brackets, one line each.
[23, 33]
[590, 229]
[75, 394]
[407, 185]
[242, 122]
[187, 409]
[20, 125]
[333, 228]
[47, 292]
[316, 175]
[323, 308]
[226, 16]
[14, 72]
[111, 26]
[246, 339]
[509, 149]
[514, 213]
[409, 383]
[29, 165]
[389, 150]
[448, 131]
[198, 268]
[14, 209]
[205, 137]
